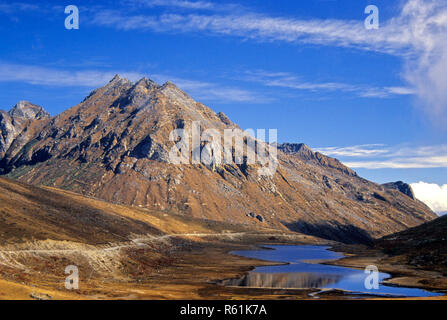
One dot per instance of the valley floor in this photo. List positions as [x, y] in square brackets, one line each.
[188, 266]
[126, 252]
[189, 271]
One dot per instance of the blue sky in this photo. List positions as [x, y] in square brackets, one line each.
[376, 99]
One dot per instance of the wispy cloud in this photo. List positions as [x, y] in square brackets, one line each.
[418, 34]
[401, 163]
[291, 81]
[426, 23]
[37, 75]
[363, 150]
[391, 38]
[186, 4]
[205, 91]
[13, 7]
[379, 156]
[434, 195]
[208, 91]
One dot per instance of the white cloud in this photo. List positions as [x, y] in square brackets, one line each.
[264, 28]
[176, 3]
[213, 92]
[291, 81]
[427, 72]
[401, 163]
[433, 195]
[363, 150]
[400, 90]
[54, 77]
[93, 78]
[418, 34]
[13, 7]
[379, 156]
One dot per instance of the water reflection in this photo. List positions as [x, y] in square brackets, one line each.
[285, 280]
[301, 272]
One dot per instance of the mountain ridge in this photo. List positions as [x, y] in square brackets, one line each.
[115, 145]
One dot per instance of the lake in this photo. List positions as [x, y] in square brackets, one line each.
[298, 273]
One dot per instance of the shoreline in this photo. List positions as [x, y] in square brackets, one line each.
[350, 260]
[401, 275]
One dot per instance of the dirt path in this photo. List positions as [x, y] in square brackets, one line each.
[142, 242]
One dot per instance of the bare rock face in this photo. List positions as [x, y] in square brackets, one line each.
[402, 187]
[115, 145]
[15, 123]
[299, 149]
[304, 152]
[27, 110]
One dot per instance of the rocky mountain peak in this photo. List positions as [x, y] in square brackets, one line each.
[299, 149]
[174, 92]
[402, 187]
[146, 82]
[305, 153]
[116, 77]
[115, 145]
[118, 81]
[19, 123]
[28, 111]
[223, 117]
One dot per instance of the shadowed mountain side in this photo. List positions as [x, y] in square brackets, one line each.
[402, 187]
[342, 233]
[424, 246]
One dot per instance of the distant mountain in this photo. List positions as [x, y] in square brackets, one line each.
[305, 153]
[115, 146]
[403, 187]
[15, 125]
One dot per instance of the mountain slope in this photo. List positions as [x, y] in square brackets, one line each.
[424, 246]
[115, 145]
[31, 214]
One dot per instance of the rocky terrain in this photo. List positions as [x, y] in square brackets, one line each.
[115, 146]
[121, 252]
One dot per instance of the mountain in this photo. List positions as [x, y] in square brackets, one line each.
[116, 145]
